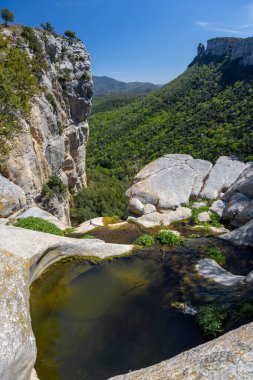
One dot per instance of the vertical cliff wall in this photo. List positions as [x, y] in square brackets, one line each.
[53, 139]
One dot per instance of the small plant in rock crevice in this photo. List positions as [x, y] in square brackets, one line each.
[211, 319]
[216, 254]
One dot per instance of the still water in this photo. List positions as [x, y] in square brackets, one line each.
[94, 321]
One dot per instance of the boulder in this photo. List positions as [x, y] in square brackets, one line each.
[218, 207]
[204, 217]
[169, 181]
[198, 204]
[244, 216]
[12, 197]
[148, 209]
[37, 212]
[88, 226]
[224, 173]
[164, 219]
[211, 270]
[237, 204]
[135, 206]
[242, 235]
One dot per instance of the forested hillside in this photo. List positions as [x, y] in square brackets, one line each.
[206, 112]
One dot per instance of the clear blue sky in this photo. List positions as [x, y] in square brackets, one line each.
[145, 40]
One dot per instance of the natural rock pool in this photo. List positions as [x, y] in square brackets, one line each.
[96, 320]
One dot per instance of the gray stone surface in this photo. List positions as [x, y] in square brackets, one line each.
[135, 206]
[199, 204]
[239, 198]
[44, 249]
[164, 219]
[169, 181]
[148, 209]
[242, 235]
[17, 348]
[230, 357]
[88, 226]
[204, 217]
[12, 197]
[211, 270]
[224, 173]
[218, 207]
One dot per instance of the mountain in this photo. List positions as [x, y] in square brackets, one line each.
[107, 86]
[206, 112]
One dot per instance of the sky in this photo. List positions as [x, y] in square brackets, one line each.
[140, 40]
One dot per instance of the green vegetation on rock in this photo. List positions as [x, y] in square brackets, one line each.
[211, 319]
[38, 224]
[168, 237]
[145, 240]
[17, 85]
[216, 254]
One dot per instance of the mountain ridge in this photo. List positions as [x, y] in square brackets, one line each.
[104, 85]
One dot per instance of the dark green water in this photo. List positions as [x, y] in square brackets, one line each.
[95, 321]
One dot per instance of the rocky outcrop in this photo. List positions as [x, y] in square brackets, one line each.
[239, 199]
[211, 270]
[234, 49]
[242, 235]
[53, 140]
[168, 182]
[228, 357]
[172, 180]
[240, 49]
[12, 197]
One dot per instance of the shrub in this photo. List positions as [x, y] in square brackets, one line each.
[104, 196]
[47, 27]
[215, 253]
[7, 16]
[211, 319]
[145, 240]
[70, 34]
[86, 76]
[55, 183]
[51, 99]
[168, 237]
[47, 191]
[38, 224]
[244, 310]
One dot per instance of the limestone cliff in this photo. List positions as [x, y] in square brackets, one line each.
[238, 50]
[53, 139]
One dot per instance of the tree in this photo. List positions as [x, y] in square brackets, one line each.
[48, 27]
[70, 34]
[7, 16]
[201, 49]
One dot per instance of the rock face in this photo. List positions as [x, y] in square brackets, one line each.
[168, 182]
[228, 357]
[242, 235]
[53, 140]
[224, 173]
[174, 179]
[12, 197]
[17, 349]
[240, 49]
[239, 199]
